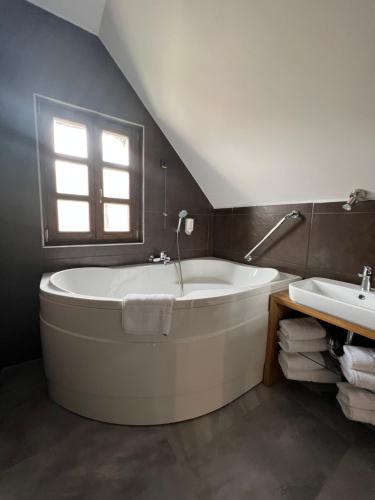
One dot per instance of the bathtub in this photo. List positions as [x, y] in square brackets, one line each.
[214, 353]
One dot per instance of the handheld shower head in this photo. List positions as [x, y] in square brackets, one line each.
[181, 215]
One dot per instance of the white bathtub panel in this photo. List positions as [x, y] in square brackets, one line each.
[148, 370]
[102, 324]
[142, 411]
[152, 377]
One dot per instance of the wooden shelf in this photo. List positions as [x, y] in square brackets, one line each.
[280, 307]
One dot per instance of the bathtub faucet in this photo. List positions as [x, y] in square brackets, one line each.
[163, 259]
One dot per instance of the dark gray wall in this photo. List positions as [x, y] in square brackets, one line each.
[40, 53]
[326, 241]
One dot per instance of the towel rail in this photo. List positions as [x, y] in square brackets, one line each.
[294, 214]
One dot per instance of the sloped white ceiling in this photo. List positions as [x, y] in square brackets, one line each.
[86, 14]
[266, 101]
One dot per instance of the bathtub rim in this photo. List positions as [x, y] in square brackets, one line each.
[48, 291]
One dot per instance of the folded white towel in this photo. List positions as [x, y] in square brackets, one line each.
[321, 376]
[304, 328]
[360, 379]
[147, 314]
[365, 416]
[303, 360]
[360, 358]
[354, 397]
[314, 345]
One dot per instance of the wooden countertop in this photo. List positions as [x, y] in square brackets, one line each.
[283, 299]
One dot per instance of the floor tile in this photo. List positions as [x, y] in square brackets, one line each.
[285, 442]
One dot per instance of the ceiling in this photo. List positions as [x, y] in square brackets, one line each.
[86, 14]
[266, 102]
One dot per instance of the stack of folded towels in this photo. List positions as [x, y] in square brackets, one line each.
[357, 399]
[302, 341]
[357, 404]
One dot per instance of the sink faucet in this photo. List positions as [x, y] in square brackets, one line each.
[163, 259]
[366, 276]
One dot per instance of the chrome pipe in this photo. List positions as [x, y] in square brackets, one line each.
[294, 214]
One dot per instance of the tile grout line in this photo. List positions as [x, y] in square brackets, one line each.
[308, 241]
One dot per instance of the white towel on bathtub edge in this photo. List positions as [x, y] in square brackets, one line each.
[144, 314]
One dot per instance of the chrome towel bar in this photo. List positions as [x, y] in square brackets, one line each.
[295, 214]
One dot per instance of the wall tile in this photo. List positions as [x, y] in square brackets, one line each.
[314, 272]
[342, 243]
[275, 209]
[336, 207]
[223, 253]
[222, 233]
[327, 241]
[222, 211]
[198, 240]
[288, 244]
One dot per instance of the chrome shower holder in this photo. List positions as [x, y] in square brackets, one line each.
[355, 196]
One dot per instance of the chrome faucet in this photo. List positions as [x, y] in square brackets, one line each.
[366, 276]
[163, 259]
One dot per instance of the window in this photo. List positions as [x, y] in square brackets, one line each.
[91, 176]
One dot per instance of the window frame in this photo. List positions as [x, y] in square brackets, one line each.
[48, 109]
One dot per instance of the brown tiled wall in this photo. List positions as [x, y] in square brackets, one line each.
[326, 241]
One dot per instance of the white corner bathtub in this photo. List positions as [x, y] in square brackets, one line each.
[214, 353]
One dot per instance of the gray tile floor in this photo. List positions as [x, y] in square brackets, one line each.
[285, 442]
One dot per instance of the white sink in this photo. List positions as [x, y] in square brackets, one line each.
[343, 300]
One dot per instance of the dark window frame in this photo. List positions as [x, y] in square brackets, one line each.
[47, 110]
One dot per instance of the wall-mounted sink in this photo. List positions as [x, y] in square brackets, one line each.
[340, 299]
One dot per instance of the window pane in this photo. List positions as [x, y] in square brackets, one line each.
[70, 138]
[116, 217]
[73, 216]
[71, 178]
[115, 183]
[115, 148]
